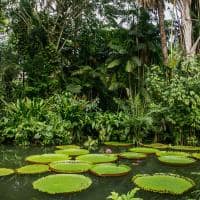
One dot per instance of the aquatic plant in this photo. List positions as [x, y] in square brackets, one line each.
[97, 158]
[62, 183]
[156, 145]
[110, 169]
[196, 155]
[144, 150]
[176, 160]
[132, 155]
[6, 171]
[164, 183]
[46, 158]
[117, 144]
[72, 152]
[70, 166]
[173, 153]
[69, 146]
[129, 196]
[186, 148]
[33, 169]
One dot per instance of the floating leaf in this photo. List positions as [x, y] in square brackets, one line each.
[70, 146]
[33, 169]
[196, 155]
[185, 148]
[97, 158]
[46, 158]
[164, 183]
[132, 155]
[70, 166]
[144, 150]
[72, 152]
[6, 171]
[62, 183]
[110, 169]
[172, 153]
[157, 145]
[176, 160]
[118, 144]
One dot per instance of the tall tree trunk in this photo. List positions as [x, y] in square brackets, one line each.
[162, 31]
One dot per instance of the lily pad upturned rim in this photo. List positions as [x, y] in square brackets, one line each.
[144, 150]
[156, 145]
[68, 146]
[6, 171]
[76, 166]
[72, 152]
[173, 153]
[162, 185]
[49, 158]
[132, 155]
[93, 158]
[117, 144]
[33, 169]
[185, 148]
[176, 160]
[116, 170]
[62, 183]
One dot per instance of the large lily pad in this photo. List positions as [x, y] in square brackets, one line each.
[97, 158]
[70, 146]
[62, 183]
[172, 153]
[110, 169]
[132, 155]
[164, 183]
[33, 169]
[73, 152]
[176, 160]
[118, 144]
[157, 145]
[70, 166]
[144, 150]
[196, 155]
[46, 158]
[6, 171]
[186, 148]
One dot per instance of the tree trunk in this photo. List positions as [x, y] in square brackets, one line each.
[162, 31]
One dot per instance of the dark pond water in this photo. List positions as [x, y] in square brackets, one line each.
[19, 187]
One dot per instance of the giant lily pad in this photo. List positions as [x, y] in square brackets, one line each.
[46, 158]
[70, 166]
[186, 148]
[70, 146]
[164, 183]
[6, 171]
[73, 152]
[144, 150]
[172, 153]
[118, 144]
[196, 155]
[132, 155]
[110, 169]
[33, 169]
[176, 160]
[157, 145]
[97, 158]
[62, 183]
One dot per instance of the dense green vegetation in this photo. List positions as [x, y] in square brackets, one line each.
[97, 71]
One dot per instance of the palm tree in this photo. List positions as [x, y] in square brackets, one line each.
[160, 7]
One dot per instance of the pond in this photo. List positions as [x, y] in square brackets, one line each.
[19, 187]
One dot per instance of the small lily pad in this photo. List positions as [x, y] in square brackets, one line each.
[157, 145]
[62, 183]
[118, 144]
[172, 153]
[97, 158]
[185, 148]
[70, 166]
[46, 158]
[144, 150]
[73, 152]
[110, 169]
[176, 160]
[33, 169]
[6, 171]
[164, 183]
[132, 155]
[70, 146]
